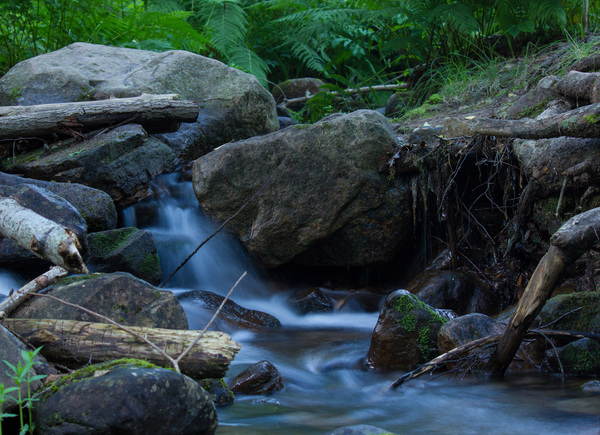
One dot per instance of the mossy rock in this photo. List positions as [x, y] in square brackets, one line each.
[573, 312]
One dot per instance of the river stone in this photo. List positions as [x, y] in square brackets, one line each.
[234, 314]
[324, 186]
[460, 292]
[126, 399]
[233, 104]
[591, 387]
[48, 205]
[573, 312]
[120, 162]
[581, 357]
[405, 334]
[259, 379]
[360, 429]
[119, 296]
[125, 250]
[94, 205]
[219, 391]
[311, 300]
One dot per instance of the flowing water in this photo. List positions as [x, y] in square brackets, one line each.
[319, 355]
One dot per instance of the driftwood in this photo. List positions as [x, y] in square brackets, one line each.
[43, 237]
[41, 282]
[74, 344]
[157, 113]
[363, 90]
[572, 239]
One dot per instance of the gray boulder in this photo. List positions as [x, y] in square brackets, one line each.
[121, 162]
[405, 334]
[95, 206]
[119, 296]
[125, 399]
[233, 104]
[325, 192]
[125, 250]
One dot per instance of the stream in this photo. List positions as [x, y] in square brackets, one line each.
[319, 355]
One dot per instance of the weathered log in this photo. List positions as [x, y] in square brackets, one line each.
[41, 282]
[580, 86]
[73, 344]
[581, 122]
[363, 90]
[572, 239]
[45, 238]
[158, 113]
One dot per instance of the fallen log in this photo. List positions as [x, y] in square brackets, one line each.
[580, 86]
[74, 344]
[581, 122]
[45, 238]
[363, 90]
[157, 113]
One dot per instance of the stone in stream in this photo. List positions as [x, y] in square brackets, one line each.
[125, 398]
[581, 357]
[259, 379]
[360, 429]
[311, 300]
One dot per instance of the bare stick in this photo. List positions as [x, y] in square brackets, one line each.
[363, 90]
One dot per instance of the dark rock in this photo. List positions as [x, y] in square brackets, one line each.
[591, 386]
[232, 313]
[425, 135]
[296, 88]
[581, 357]
[126, 250]
[94, 205]
[394, 105]
[361, 429]
[324, 192]
[312, 300]
[258, 379]
[534, 102]
[405, 334]
[457, 291]
[219, 391]
[127, 399]
[119, 296]
[233, 104]
[573, 312]
[121, 162]
[285, 121]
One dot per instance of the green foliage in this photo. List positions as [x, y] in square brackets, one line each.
[21, 375]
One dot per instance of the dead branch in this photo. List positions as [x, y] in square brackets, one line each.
[363, 90]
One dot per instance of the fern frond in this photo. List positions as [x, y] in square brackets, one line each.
[458, 16]
[247, 60]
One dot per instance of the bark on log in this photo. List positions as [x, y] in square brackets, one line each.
[43, 237]
[73, 344]
[571, 240]
[363, 90]
[41, 282]
[581, 122]
[580, 85]
[154, 112]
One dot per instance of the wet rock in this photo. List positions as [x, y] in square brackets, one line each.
[405, 334]
[259, 379]
[125, 250]
[360, 429]
[119, 296]
[126, 399]
[460, 292]
[121, 162]
[573, 312]
[324, 193]
[591, 386]
[312, 300]
[233, 104]
[48, 205]
[581, 357]
[296, 88]
[470, 327]
[232, 313]
[219, 391]
[94, 205]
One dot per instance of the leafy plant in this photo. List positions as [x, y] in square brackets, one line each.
[21, 374]
[3, 398]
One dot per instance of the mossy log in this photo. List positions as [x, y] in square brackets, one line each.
[74, 344]
[157, 113]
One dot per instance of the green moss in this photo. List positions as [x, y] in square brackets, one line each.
[534, 111]
[71, 279]
[149, 265]
[580, 359]
[592, 118]
[103, 243]
[424, 343]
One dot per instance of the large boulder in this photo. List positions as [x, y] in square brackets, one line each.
[121, 162]
[95, 206]
[573, 312]
[119, 296]
[125, 399]
[233, 104]
[325, 192]
[405, 334]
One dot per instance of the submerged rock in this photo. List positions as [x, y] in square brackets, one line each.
[405, 334]
[360, 429]
[126, 250]
[119, 296]
[126, 399]
[326, 198]
[259, 379]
